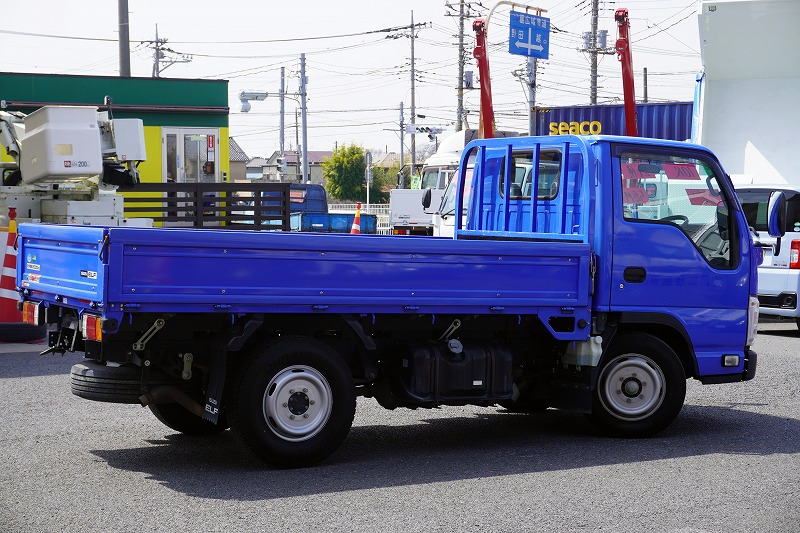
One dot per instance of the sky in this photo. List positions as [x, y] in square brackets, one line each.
[355, 83]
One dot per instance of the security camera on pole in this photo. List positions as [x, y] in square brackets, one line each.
[247, 96]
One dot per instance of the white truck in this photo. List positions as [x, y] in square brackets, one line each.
[746, 110]
[407, 215]
[62, 165]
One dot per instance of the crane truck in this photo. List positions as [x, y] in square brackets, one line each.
[63, 165]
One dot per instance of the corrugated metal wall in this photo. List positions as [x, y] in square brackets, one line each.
[672, 120]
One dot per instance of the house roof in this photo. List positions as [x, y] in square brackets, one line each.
[315, 157]
[389, 160]
[256, 162]
[236, 153]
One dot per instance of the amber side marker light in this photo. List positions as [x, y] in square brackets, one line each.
[33, 313]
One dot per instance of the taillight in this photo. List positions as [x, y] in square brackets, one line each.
[401, 232]
[33, 313]
[92, 327]
[794, 255]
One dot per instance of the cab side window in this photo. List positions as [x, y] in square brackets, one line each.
[683, 192]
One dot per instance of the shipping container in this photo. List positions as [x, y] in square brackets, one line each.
[670, 120]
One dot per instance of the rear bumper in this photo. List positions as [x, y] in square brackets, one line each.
[777, 291]
[750, 364]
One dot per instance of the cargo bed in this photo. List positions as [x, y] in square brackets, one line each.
[172, 270]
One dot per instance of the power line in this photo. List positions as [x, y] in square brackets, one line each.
[665, 28]
[254, 41]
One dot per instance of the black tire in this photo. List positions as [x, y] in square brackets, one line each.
[96, 381]
[174, 416]
[269, 415]
[115, 384]
[641, 386]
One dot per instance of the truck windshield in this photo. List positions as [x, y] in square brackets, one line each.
[755, 203]
[436, 177]
[448, 204]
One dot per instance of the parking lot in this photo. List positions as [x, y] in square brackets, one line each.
[731, 462]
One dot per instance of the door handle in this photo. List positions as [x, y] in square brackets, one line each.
[634, 274]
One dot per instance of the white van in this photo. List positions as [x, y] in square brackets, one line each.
[779, 273]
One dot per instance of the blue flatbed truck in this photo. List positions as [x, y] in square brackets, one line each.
[592, 304]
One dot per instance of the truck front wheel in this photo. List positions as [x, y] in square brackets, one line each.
[294, 402]
[641, 386]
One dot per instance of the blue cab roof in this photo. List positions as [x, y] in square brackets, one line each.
[585, 140]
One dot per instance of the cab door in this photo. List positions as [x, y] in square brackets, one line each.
[676, 249]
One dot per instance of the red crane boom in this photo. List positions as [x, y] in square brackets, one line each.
[486, 125]
[623, 48]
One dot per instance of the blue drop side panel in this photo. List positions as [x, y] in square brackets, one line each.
[291, 272]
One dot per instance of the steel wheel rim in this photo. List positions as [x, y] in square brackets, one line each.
[297, 403]
[632, 387]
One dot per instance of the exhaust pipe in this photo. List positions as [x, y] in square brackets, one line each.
[166, 394]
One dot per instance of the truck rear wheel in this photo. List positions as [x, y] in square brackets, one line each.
[176, 417]
[641, 386]
[293, 403]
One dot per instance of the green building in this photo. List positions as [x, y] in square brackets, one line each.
[185, 120]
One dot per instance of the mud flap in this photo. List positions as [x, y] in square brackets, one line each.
[216, 384]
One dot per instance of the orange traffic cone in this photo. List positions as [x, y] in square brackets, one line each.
[8, 279]
[356, 229]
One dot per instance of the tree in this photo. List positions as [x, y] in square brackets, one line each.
[344, 173]
[383, 180]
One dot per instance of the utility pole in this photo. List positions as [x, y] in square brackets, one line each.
[461, 59]
[297, 147]
[413, 102]
[593, 53]
[402, 142]
[282, 95]
[531, 96]
[304, 110]
[160, 61]
[368, 174]
[156, 56]
[645, 84]
[124, 40]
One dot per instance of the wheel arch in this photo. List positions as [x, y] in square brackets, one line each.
[664, 327]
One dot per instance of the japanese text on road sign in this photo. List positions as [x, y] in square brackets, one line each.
[529, 35]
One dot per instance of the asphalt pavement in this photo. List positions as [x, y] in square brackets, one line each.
[729, 463]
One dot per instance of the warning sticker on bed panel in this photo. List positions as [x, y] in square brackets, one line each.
[89, 274]
[33, 266]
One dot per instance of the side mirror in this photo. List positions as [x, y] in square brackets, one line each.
[776, 214]
[426, 199]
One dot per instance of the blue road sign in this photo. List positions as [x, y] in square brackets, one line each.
[529, 35]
